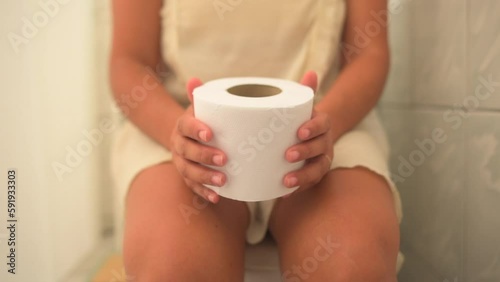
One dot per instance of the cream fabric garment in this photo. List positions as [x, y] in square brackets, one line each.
[280, 38]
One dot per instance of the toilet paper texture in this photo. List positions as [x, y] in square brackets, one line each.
[254, 132]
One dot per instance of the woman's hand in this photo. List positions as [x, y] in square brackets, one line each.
[316, 147]
[190, 156]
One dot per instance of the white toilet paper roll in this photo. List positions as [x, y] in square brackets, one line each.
[254, 120]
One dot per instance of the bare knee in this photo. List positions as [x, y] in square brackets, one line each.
[148, 258]
[327, 258]
[183, 258]
[164, 242]
[353, 209]
[367, 259]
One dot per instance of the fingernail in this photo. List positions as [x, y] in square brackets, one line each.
[211, 198]
[217, 159]
[209, 195]
[293, 155]
[217, 180]
[291, 181]
[306, 133]
[203, 135]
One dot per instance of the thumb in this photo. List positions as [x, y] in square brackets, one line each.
[310, 79]
[191, 85]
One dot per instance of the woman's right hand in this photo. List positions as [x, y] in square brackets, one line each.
[190, 155]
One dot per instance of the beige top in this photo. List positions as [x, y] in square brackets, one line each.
[225, 38]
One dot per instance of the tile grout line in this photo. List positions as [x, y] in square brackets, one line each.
[411, 24]
[430, 107]
[463, 262]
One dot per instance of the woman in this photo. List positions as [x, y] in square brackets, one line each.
[347, 201]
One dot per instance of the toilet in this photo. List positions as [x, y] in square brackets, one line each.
[262, 262]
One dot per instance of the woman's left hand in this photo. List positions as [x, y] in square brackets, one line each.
[316, 147]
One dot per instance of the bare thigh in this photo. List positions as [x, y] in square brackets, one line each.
[344, 229]
[173, 235]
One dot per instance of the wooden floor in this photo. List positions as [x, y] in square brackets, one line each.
[112, 271]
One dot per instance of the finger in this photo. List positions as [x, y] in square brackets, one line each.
[206, 193]
[319, 124]
[193, 128]
[191, 85]
[309, 175]
[198, 173]
[308, 149]
[310, 79]
[199, 153]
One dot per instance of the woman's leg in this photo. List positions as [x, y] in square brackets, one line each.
[173, 235]
[344, 229]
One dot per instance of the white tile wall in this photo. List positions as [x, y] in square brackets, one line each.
[398, 83]
[484, 48]
[450, 229]
[483, 198]
[436, 234]
[438, 30]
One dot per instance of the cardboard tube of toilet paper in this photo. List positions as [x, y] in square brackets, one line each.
[254, 120]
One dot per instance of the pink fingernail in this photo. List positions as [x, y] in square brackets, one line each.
[292, 181]
[293, 155]
[217, 180]
[203, 135]
[211, 198]
[306, 133]
[217, 159]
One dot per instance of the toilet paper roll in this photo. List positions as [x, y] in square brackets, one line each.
[254, 120]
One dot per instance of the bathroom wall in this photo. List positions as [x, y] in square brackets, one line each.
[48, 110]
[105, 107]
[441, 109]
[112, 204]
